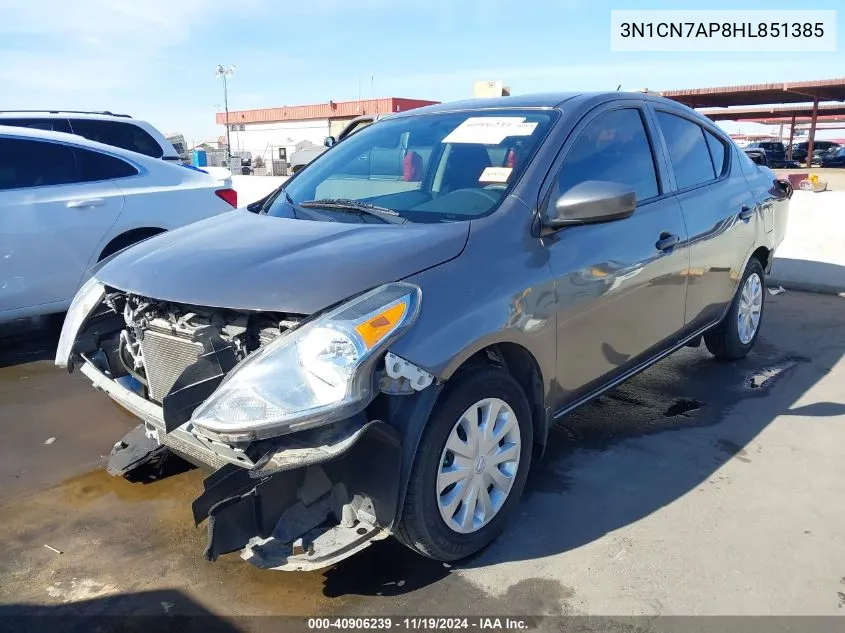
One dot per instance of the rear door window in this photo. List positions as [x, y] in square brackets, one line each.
[118, 134]
[688, 150]
[613, 147]
[95, 166]
[53, 125]
[27, 163]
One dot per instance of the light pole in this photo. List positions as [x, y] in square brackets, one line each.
[224, 73]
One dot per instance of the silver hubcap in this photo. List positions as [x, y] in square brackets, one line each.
[478, 465]
[750, 307]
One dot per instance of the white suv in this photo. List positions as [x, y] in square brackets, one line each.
[118, 130]
[67, 203]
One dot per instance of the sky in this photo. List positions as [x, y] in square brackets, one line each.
[155, 59]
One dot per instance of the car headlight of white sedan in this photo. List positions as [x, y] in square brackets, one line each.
[319, 373]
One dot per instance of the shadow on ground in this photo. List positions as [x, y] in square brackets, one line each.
[29, 340]
[126, 612]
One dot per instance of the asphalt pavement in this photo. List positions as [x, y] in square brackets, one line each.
[700, 487]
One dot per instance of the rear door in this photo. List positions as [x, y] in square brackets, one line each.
[57, 202]
[721, 213]
[621, 285]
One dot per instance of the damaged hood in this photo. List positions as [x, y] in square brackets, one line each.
[244, 261]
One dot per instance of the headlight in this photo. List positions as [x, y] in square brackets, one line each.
[86, 299]
[319, 373]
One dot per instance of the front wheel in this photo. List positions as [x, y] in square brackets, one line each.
[470, 468]
[734, 337]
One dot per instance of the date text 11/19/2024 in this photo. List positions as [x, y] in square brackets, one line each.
[420, 623]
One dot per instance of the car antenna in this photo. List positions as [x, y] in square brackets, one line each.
[618, 87]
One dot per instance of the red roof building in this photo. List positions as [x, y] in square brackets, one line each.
[329, 110]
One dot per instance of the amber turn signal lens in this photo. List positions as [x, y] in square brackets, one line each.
[376, 328]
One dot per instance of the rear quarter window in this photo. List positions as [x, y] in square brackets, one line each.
[718, 152]
[118, 134]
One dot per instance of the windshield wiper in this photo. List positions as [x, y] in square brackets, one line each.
[355, 206]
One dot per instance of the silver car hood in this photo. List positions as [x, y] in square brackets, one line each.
[244, 261]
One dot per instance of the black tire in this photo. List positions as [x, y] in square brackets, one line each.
[421, 527]
[723, 341]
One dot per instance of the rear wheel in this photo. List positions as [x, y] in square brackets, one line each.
[470, 468]
[735, 336]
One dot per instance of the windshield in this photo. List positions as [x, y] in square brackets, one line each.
[425, 168]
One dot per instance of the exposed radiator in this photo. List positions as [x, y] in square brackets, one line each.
[165, 358]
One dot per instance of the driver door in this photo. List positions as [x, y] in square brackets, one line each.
[620, 285]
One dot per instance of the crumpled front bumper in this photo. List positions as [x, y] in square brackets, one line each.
[181, 441]
[303, 501]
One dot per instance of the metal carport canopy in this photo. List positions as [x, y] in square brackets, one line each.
[760, 94]
[801, 112]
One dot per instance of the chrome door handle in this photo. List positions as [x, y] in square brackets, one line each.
[667, 242]
[84, 204]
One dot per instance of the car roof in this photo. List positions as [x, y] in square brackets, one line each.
[545, 100]
[549, 100]
[64, 114]
[79, 141]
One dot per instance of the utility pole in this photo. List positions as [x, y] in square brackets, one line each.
[224, 73]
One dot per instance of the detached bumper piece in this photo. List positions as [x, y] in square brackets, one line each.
[307, 517]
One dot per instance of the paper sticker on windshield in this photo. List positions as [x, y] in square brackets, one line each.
[490, 130]
[495, 174]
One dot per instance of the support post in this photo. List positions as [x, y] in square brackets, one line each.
[791, 138]
[812, 134]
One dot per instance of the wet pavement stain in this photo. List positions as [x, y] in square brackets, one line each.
[97, 484]
[765, 377]
[682, 407]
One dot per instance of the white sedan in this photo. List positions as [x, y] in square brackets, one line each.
[67, 202]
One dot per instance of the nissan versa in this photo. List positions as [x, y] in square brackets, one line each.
[381, 345]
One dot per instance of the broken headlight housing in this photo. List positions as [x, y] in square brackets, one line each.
[86, 299]
[318, 373]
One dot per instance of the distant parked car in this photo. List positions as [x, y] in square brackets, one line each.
[67, 202]
[758, 156]
[775, 153]
[819, 154]
[299, 159]
[118, 130]
[834, 159]
[799, 150]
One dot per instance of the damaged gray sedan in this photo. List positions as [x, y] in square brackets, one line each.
[380, 346]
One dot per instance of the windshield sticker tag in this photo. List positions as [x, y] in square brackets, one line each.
[489, 130]
[495, 174]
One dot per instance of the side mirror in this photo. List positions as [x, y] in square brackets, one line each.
[590, 202]
[329, 141]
